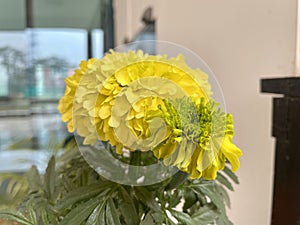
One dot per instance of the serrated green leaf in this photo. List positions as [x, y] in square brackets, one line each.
[201, 197]
[81, 212]
[97, 217]
[206, 215]
[183, 217]
[49, 178]
[83, 194]
[127, 207]
[232, 175]
[210, 191]
[223, 180]
[224, 194]
[15, 216]
[112, 216]
[147, 198]
[34, 179]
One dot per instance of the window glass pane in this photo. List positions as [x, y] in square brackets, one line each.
[12, 63]
[34, 63]
[33, 66]
[53, 54]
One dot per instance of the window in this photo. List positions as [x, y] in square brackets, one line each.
[41, 43]
[53, 54]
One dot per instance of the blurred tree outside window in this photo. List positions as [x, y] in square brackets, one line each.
[41, 43]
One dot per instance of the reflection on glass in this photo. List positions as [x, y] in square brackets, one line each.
[53, 54]
[12, 62]
[34, 63]
[29, 140]
[33, 66]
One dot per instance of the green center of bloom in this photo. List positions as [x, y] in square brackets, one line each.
[191, 121]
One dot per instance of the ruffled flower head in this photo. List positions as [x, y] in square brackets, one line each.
[143, 102]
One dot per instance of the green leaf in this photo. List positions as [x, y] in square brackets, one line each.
[112, 216]
[97, 217]
[49, 178]
[200, 196]
[170, 222]
[48, 217]
[127, 207]
[147, 198]
[177, 179]
[148, 220]
[230, 174]
[45, 217]
[13, 189]
[53, 219]
[210, 191]
[183, 217]
[223, 180]
[206, 215]
[32, 215]
[158, 218]
[224, 194]
[15, 216]
[80, 213]
[34, 179]
[190, 198]
[82, 194]
[223, 220]
[174, 199]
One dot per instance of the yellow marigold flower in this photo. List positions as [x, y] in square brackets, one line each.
[65, 106]
[125, 98]
[200, 140]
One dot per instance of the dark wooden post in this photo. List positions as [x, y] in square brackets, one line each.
[286, 130]
[29, 13]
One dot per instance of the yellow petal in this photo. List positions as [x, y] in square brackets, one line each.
[104, 111]
[232, 153]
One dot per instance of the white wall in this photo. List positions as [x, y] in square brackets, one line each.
[242, 41]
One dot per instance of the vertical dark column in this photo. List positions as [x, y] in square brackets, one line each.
[89, 44]
[29, 13]
[30, 40]
[286, 130]
[107, 24]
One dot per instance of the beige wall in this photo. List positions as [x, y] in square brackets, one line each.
[242, 41]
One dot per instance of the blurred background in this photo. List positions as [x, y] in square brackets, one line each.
[43, 41]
